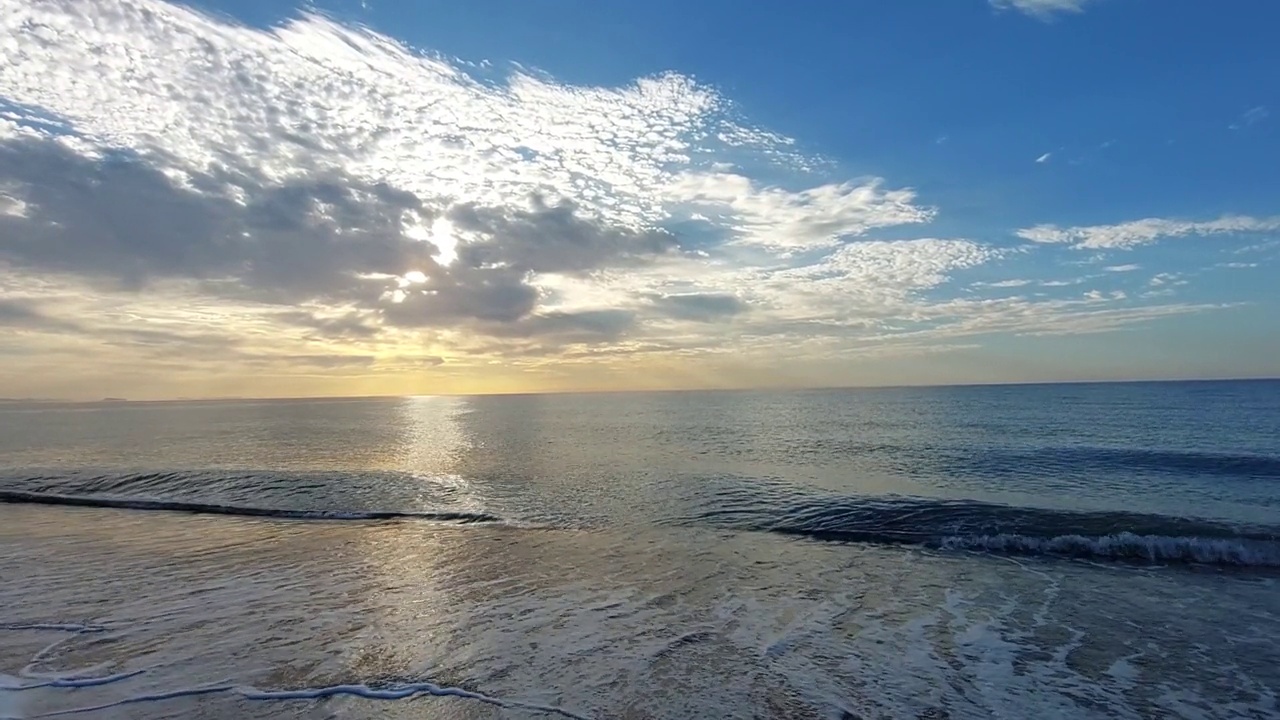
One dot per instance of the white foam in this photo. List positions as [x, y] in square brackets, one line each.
[76, 681]
[1127, 545]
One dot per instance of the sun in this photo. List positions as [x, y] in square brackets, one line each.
[441, 233]
[442, 236]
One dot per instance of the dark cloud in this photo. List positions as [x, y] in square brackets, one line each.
[15, 313]
[552, 238]
[119, 219]
[703, 307]
[573, 327]
[326, 240]
[464, 294]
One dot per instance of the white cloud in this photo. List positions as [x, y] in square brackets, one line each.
[11, 204]
[1258, 247]
[1251, 117]
[901, 265]
[817, 217]
[1236, 265]
[193, 93]
[1121, 268]
[1128, 235]
[1043, 9]
[1044, 158]
[1005, 284]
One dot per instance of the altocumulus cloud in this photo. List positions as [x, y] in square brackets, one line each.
[327, 198]
[1128, 235]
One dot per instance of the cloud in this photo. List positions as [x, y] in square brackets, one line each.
[317, 196]
[1166, 278]
[25, 314]
[319, 164]
[324, 362]
[551, 239]
[895, 267]
[191, 92]
[1258, 247]
[331, 240]
[1128, 235]
[813, 218]
[1042, 9]
[1044, 158]
[342, 325]
[569, 327]
[1006, 284]
[702, 307]
[124, 220]
[861, 284]
[1121, 268]
[10, 204]
[1251, 117]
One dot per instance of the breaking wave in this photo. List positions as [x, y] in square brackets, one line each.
[994, 528]
[750, 506]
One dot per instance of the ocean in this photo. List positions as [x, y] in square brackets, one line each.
[1039, 551]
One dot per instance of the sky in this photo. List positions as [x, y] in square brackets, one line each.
[267, 198]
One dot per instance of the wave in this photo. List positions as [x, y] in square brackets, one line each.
[997, 529]
[398, 692]
[1128, 546]
[731, 503]
[200, 508]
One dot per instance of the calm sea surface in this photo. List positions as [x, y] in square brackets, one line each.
[1054, 551]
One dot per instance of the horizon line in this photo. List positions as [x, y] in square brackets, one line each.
[763, 388]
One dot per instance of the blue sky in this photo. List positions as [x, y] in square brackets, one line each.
[726, 194]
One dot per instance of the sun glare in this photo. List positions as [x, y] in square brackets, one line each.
[443, 238]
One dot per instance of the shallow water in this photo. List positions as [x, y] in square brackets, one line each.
[1062, 551]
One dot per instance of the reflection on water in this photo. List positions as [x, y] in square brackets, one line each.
[430, 436]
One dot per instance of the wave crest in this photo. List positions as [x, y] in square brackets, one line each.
[992, 528]
[1127, 546]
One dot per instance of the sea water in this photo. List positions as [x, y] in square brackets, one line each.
[1055, 551]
